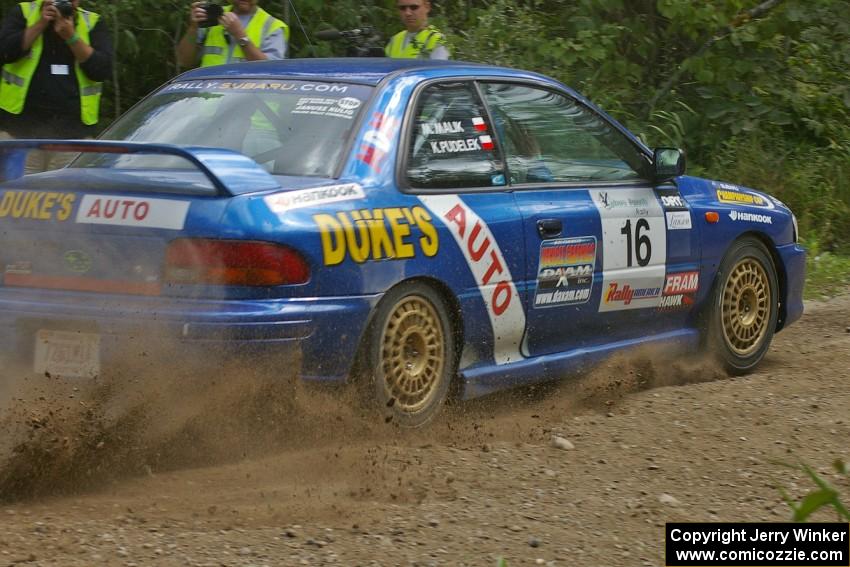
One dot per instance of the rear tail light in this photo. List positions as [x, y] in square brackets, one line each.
[233, 262]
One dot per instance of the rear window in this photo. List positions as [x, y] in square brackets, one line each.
[288, 127]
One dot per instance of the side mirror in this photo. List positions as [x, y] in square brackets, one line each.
[669, 163]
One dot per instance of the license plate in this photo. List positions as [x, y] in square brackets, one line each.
[67, 354]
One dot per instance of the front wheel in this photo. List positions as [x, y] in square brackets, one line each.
[412, 354]
[745, 306]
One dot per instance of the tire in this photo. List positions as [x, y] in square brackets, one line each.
[745, 306]
[411, 354]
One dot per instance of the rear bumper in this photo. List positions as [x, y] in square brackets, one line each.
[793, 260]
[324, 331]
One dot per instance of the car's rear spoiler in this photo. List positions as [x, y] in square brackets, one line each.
[229, 172]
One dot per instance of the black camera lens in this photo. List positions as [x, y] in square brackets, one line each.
[64, 7]
[214, 12]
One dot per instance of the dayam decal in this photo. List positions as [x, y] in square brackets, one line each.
[289, 200]
[679, 290]
[376, 234]
[37, 206]
[565, 271]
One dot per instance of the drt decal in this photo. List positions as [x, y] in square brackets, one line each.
[37, 206]
[376, 234]
[491, 273]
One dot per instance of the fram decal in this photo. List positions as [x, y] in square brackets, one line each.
[289, 200]
[565, 272]
[487, 264]
[132, 211]
[37, 206]
[377, 142]
[376, 234]
[679, 290]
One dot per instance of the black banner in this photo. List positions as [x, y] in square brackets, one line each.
[758, 544]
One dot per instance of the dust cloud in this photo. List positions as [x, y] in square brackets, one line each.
[149, 414]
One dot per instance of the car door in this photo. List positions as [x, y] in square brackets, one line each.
[595, 228]
[455, 169]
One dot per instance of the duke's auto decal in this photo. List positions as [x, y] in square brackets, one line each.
[48, 205]
[376, 234]
[130, 211]
[487, 264]
[565, 271]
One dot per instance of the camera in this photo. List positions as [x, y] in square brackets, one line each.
[64, 7]
[214, 12]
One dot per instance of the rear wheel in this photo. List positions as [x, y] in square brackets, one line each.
[411, 354]
[745, 306]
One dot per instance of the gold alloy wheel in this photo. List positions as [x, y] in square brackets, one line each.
[412, 353]
[747, 301]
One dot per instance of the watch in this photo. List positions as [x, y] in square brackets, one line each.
[243, 41]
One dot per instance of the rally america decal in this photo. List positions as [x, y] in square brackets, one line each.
[565, 271]
[491, 273]
[634, 248]
[132, 211]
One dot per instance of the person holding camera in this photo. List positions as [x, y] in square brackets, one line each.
[240, 32]
[419, 40]
[55, 57]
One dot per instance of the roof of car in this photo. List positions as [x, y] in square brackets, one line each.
[353, 69]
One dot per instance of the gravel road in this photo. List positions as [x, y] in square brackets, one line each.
[585, 473]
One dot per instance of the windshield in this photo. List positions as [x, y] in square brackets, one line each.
[288, 127]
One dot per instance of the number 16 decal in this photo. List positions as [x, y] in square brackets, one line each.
[634, 248]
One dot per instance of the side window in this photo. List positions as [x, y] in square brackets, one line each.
[452, 145]
[549, 137]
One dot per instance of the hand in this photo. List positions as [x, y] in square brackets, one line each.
[64, 27]
[48, 12]
[197, 14]
[231, 23]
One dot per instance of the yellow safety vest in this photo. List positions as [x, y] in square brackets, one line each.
[421, 47]
[17, 76]
[215, 47]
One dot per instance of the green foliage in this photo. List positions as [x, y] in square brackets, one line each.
[823, 495]
[826, 274]
[762, 101]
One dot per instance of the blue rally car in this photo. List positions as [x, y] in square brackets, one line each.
[425, 228]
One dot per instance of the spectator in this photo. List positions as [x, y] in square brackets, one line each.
[54, 63]
[419, 40]
[245, 32]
